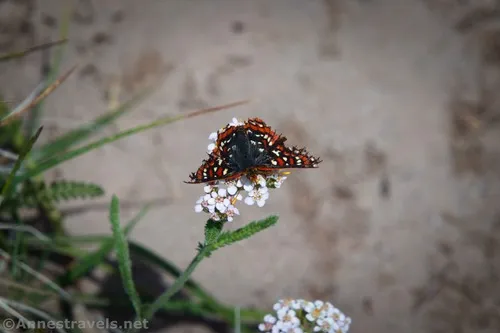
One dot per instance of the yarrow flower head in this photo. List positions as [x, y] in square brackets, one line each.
[304, 316]
[246, 160]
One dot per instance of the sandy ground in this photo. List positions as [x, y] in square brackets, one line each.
[398, 227]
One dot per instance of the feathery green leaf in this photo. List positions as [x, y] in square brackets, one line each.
[230, 237]
[124, 262]
[61, 190]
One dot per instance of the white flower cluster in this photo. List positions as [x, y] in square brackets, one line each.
[300, 316]
[219, 199]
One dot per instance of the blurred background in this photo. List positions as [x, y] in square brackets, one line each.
[400, 225]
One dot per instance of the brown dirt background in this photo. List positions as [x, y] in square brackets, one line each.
[400, 225]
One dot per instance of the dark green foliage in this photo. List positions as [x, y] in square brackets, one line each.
[60, 191]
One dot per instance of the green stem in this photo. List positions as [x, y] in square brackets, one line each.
[178, 284]
[213, 231]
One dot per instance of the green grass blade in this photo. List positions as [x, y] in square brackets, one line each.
[34, 311]
[75, 136]
[25, 228]
[20, 54]
[39, 276]
[124, 262]
[7, 188]
[12, 312]
[93, 259]
[34, 99]
[56, 160]
[55, 64]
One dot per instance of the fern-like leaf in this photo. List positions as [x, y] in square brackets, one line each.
[62, 190]
[230, 237]
[123, 254]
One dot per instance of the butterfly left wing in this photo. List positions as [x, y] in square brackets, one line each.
[212, 169]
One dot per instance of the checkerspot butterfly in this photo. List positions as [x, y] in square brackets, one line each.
[250, 149]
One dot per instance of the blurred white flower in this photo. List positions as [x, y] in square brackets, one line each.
[213, 136]
[320, 317]
[236, 122]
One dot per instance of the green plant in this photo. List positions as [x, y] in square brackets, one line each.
[31, 246]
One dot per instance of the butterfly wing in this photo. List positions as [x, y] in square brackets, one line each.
[261, 134]
[283, 157]
[212, 169]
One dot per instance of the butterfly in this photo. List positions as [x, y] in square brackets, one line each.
[250, 149]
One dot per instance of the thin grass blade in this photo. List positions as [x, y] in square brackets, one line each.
[55, 65]
[77, 135]
[7, 188]
[34, 311]
[56, 160]
[24, 106]
[12, 312]
[20, 54]
[39, 276]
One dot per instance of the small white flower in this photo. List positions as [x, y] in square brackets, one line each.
[211, 147]
[231, 211]
[204, 202]
[269, 319]
[213, 136]
[275, 181]
[314, 310]
[200, 204]
[233, 186]
[326, 324]
[258, 196]
[248, 185]
[236, 122]
[221, 202]
[318, 304]
[208, 188]
[260, 181]
[278, 306]
[232, 189]
[267, 325]
[287, 319]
